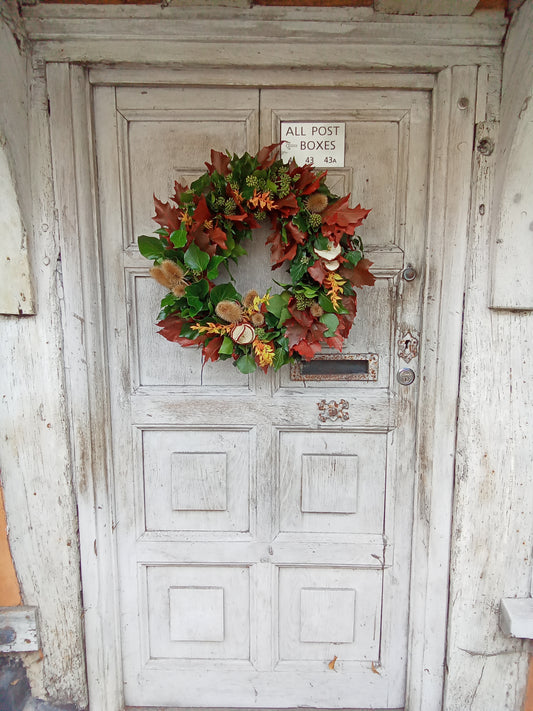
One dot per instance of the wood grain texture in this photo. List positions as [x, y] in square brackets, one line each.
[512, 228]
[36, 472]
[493, 508]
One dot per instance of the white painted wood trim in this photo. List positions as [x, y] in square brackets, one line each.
[22, 621]
[451, 161]
[511, 264]
[276, 78]
[86, 376]
[516, 617]
[262, 36]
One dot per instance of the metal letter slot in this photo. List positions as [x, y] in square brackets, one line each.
[337, 366]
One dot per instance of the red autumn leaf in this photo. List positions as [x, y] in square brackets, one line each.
[218, 236]
[309, 183]
[201, 214]
[166, 215]
[287, 206]
[211, 349]
[171, 328]
[288, 254]
[179, 189]
[279, 252]
[304, 318]
[294, 331]
[219, 162]
[336, 341]
[268, 155]
[318, 271]
[236, 218]
[296, 234]
[204, 243]
[307, 350]
[360, 274]
[339, 215]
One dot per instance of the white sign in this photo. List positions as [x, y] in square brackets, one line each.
[321, 144]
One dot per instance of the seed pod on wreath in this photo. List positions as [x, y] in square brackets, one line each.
[242, 333]
[229, 311]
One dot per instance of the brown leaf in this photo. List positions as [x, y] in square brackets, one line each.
[360, 274]
[166, 215]
[374, 669]
[179, 189]
[219, 162]
[268, 155]
[331, 665]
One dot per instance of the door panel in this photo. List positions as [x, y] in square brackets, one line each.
[260, 537]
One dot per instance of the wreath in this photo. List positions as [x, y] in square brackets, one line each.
[203, 229]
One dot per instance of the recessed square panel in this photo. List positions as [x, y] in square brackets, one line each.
[197, 611]
[196, 614]
[329, 483]
[327, 615]
[198, 481]
[320, 607]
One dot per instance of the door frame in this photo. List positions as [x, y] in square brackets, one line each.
[456, 93]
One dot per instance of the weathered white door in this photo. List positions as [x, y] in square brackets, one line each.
[263, 543]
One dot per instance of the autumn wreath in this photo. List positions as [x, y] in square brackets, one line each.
[203, 229]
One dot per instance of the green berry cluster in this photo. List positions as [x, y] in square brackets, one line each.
[260, 216]
[284, 185]
[230, 207]
[252, 181]
[219, 202]
[302, 302]
[314, 220]
[260, 333]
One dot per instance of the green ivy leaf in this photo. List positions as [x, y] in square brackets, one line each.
[224, 292]
[227, 346]
[179, 237]
[353, 257]
[195, 259]
[332, 322]
[277, 303]
[151, 247]
[188, 332]
[199, 289]
[281, 357]
[326, 303]
[297, 270]
[198, 186]
[309, 292]
[214, 263]
[321, 242]
[246, 364]
[285, 315]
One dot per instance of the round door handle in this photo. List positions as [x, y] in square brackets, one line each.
[405, 376]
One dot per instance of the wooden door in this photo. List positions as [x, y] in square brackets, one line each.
[263, 545]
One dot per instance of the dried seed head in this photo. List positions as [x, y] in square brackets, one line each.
[316, 310]
[172, 270]
[179, 290]
[317, 202]
[257, 319]
[160, 277]
[249, 298]
[229, 311]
